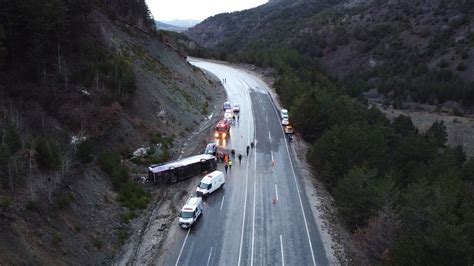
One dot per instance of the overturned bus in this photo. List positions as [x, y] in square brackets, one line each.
[175, 171]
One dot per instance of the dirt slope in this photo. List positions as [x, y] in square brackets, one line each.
[71, 217]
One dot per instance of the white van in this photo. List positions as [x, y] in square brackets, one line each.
[284, 113]
[190, 212]
[210, 183]
[228, 114]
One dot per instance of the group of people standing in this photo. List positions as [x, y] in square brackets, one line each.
[223, 157]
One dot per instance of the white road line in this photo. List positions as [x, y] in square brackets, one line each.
[253, 222]
[298, 191]
[245, 205]
[276, 191]
[266, 118]
[269, 136]
[254, 193]
[184, 243]
[282, 256]
[273, 160]
[222, 203]
[302, 210]
[209, 258]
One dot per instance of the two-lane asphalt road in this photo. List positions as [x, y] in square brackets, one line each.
[262, 216]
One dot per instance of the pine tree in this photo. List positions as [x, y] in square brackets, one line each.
[3, 49]
[438, 132]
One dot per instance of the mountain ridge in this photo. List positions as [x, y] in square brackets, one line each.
[360, 42]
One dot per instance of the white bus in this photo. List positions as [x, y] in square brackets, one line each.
[175, 171]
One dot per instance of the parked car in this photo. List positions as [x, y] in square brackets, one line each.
[211, 148]
[284, 113]
[228, 114]
[227, 105]
[285, 122]
[236, 108]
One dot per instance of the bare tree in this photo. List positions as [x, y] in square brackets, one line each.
[66, 78]
[372, 243]
[59, 57]
[64, 162]
[11, 161]
[97, 81]
[49, 186]
[30, 181]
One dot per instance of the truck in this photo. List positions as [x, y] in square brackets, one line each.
[222, 129]
[190, 212]
[210, 183]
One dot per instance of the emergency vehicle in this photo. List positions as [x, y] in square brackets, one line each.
[210, 183]
[222, 129]
[190, 212]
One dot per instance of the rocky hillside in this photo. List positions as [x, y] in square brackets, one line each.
[82, 85]
[408, 50]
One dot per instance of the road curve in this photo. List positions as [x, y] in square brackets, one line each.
[262, 216]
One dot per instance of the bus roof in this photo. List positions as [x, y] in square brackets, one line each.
[156, 168]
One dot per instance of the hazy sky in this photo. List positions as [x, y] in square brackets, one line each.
[165, 10]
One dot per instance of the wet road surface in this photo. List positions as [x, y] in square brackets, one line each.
[262, 215]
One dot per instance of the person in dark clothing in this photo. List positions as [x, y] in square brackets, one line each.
[240, 158]
[225, 167]
[251, 145]
[248, 149]
[233, 153]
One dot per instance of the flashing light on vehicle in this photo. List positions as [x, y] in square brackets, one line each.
[224, 135]
[216, 135]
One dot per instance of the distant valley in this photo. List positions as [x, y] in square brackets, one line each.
[176, 25]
